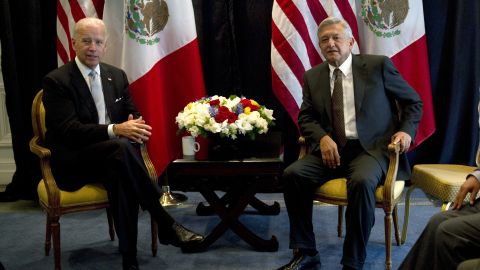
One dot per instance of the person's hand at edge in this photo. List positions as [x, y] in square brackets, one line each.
[471, 185]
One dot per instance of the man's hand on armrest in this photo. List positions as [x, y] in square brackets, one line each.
[404, 139]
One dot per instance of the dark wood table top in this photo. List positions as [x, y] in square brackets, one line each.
[182, 173]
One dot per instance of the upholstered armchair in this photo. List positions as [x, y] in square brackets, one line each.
[441, 181]
[57, 202]
[387, 196]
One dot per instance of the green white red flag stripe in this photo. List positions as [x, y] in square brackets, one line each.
[164, 67]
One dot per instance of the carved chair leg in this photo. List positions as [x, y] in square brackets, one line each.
[48, 236]
[395, 225]
[340, 220]
[388, 240]
[154, 229]
[55, 225]
[111, 230]
[407, 212]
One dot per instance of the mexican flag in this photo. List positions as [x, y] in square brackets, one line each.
[155, 42]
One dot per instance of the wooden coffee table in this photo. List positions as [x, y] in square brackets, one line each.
[241, 179]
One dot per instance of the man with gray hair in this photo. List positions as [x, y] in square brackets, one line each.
[93, 130]
[349, 116]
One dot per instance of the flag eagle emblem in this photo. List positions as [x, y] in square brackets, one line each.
[145, 19]
[384, 17]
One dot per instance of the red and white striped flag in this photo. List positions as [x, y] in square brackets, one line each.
[68, 13]
[155, 42]
[394, 28]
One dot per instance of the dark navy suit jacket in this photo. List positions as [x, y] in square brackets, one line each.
[71, 115]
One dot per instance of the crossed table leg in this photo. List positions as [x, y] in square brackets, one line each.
[229, 197]
[229, 210]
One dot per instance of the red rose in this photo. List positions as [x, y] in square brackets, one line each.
[214, 102]
[232, 117]
[222, 115]
[223, 109]
[248, 103]
[219, 118]
[245, 102]
[254, 107]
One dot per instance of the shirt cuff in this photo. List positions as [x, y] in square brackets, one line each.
[111, 134]
[476, 174]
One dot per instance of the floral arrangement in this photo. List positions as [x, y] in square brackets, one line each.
[227, 117]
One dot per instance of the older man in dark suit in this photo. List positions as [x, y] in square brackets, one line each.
[92, 128]
[349, 114]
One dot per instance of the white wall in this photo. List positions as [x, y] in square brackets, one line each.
[7, 163]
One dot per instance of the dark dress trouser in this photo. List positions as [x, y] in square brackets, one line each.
[118, 165]
[449, 238]
[364, 175]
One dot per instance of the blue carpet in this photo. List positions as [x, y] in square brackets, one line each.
[85, 243]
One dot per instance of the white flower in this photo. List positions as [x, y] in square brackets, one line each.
[202, 117]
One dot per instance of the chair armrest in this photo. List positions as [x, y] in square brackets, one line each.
[148, 163]
[304, 148]
[39, 150]
[53, 192]
[391, 177]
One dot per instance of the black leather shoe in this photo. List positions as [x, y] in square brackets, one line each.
[302, 261]
[179, 236]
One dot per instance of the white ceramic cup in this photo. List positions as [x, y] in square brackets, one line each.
[189, 147]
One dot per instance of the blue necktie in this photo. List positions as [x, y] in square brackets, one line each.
[97, 94]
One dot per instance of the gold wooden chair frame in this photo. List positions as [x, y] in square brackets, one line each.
[387, 197]
[57, 202]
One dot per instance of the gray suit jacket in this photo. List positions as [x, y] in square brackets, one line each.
[378, 86]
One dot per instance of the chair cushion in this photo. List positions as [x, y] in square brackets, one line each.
[337, 189]
[88, 194]
[440, 180]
